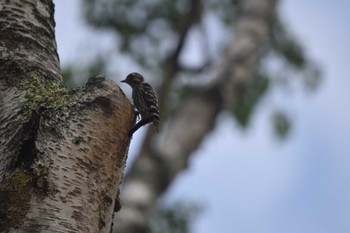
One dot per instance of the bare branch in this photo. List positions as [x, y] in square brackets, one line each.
[172, 63]
[195, 70]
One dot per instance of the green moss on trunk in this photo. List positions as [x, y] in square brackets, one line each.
[16, 190]
[41, 93]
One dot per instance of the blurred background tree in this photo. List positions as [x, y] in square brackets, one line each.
[204, 57]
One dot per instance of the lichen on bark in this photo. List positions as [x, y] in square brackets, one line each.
[41, 93]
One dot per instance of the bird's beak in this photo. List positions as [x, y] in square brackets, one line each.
[123, 81]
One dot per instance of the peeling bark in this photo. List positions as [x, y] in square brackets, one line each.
[62, 152]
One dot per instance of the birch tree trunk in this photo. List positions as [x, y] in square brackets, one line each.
[62, 152]
[157, 166]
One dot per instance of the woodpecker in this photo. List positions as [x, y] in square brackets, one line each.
[145, 101]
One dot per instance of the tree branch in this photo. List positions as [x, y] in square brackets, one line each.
[195, 70]
[171, 66]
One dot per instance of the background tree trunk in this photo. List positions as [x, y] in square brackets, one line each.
[62, 152]
[156, 167]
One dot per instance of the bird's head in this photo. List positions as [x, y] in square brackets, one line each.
[133, 79]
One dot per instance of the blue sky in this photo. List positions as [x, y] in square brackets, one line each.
[247, 180]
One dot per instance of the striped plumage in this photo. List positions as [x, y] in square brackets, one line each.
[145, 99]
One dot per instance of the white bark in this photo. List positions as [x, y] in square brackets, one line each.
[83, 150]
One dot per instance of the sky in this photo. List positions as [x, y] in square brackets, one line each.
[248, 181]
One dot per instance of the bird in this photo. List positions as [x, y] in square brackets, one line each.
[145, 101]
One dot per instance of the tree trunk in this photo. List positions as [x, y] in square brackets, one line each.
[62, 152]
